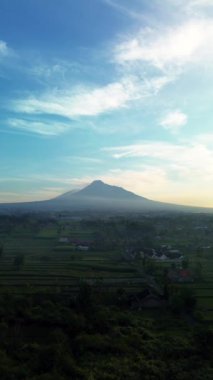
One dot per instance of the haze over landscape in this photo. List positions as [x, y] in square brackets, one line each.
[118, 90]
[99, 197]
[106, 178]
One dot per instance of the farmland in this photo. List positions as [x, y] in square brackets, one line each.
[46, 253]
[92, 299]
[51, 264]
[57, 255]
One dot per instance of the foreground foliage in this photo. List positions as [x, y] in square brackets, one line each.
[93, 338]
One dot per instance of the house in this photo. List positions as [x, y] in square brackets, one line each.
[180, 275]
[169, 252]
[149, 252]
[129, 254]
[185, 275]
[63, 239]
[82, 247]
[174, 254]
[163, 257]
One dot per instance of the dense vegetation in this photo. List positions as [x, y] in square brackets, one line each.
[93, 337]
[72, 314]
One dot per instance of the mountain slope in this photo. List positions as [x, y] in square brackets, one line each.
[98, 196]
[99, 189]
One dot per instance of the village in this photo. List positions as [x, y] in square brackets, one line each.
[142, 253]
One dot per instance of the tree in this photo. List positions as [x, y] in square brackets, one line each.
[19, 261]
[84, 299]
[182, 299]
[185, 263]
[198, 270]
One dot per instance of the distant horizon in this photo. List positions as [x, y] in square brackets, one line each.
[107, 89]
[97, 180]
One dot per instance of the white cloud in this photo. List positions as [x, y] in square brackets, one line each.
[192, 6]
[4, 50]
[80, 101]
[206, 139]
[56, 72]
[83, 159]
[152, 86]
[138, 181]
[28, 196]
[155, 183]
[42, 128]
[174, 120]
[191, 3]
[179, 173]
[48, 71]
[168, 48]
[201, 3]
[152, 13]
[126, 10]
[188, 160]
[92, 102]
[154, 149]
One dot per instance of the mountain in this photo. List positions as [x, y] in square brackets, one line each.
[99, 189]
[101, 197]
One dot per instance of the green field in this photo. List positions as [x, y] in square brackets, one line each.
[52, 265]
[55, 266]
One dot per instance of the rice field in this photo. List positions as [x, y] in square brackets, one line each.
[49, 264]
[52, 265]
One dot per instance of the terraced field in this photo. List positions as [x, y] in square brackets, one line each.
[51, 265]
[54, 266]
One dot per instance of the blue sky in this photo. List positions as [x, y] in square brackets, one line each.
[116, 90]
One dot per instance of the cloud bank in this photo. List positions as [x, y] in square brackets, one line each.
[169, 48]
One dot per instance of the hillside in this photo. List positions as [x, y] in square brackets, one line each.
[98, 196]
